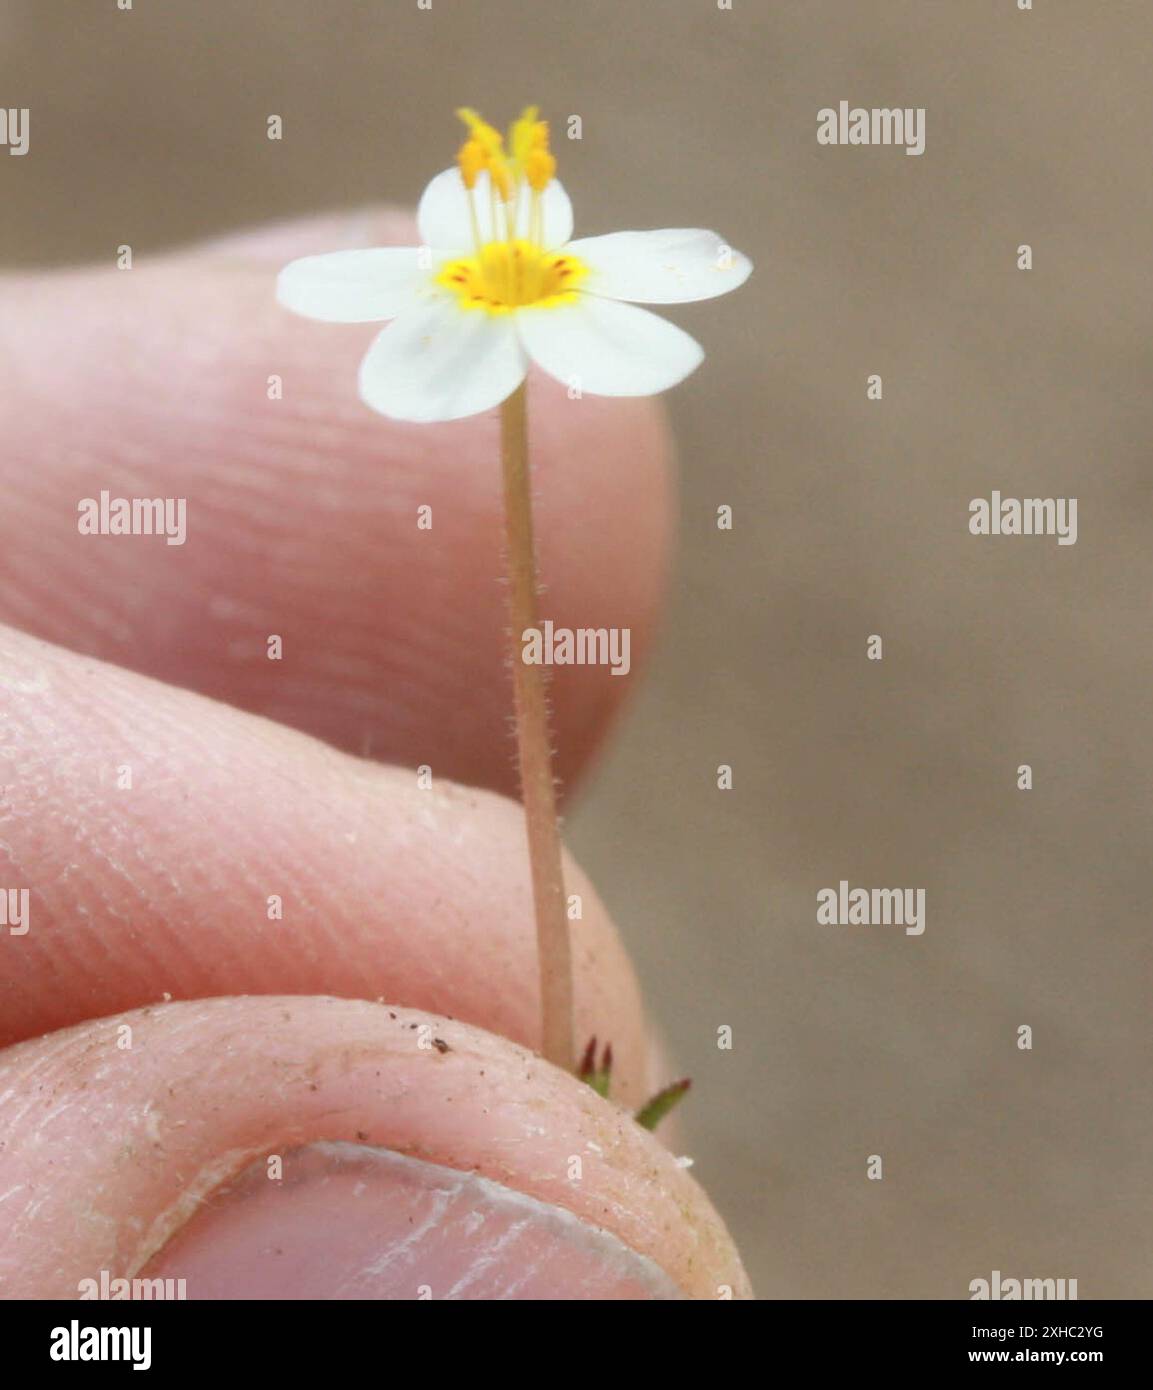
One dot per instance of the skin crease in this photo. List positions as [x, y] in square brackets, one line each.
[419, 897]
[250, 1077]
[302, 512]
[151, 383]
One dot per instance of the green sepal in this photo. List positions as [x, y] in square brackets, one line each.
[653, 1111]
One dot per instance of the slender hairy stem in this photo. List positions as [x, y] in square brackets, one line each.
[534, 747]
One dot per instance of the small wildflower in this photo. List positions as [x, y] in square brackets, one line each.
[499, 283]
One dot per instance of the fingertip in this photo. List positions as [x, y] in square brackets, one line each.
[274, 243]
[306, 514]
[247, 1097]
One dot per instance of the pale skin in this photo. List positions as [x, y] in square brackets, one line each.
[143, 382]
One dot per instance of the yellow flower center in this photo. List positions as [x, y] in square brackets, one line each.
[504, 276]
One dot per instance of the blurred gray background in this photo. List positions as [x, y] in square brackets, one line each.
[850, 519]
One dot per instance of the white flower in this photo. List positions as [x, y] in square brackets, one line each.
[499, 283]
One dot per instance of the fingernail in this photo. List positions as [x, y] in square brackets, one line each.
[350, 1221]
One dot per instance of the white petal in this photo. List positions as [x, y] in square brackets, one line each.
[441, 362]
[666, 267]
[352, 286]
[607, 348]
[445, 224]
[556, 214]
[442, 213]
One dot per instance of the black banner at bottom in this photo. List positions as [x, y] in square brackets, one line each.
[162, 1338]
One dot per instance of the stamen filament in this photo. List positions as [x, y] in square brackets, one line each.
[475, 225]
[536, 220]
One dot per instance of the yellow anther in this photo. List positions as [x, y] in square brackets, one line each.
[490, 141]
[528, 140]
[521, 134]
[487, 136]
[501, 175]
[472, 159]
[527, 156]
[539, 167]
